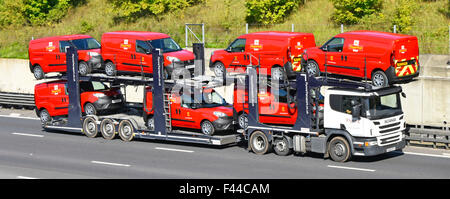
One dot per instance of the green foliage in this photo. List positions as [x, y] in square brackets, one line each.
[131, 10]
[446, 11]
[352, 11]
[269, 11]
[403, 17]
[86, 27]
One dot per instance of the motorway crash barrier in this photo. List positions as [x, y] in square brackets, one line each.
[430, 136]
[16, 100]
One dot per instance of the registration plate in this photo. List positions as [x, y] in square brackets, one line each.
[190, 66]
[390, 149]
[117, 101]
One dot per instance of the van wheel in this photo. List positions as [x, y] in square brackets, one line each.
[312, 68]
[108, 129]
[45, 117]
[379, 79]
[281, 147]
[150, 123]
[243, 121]
[126, 131]
[84, 68]
[89, 109]
[38, 72]
[90, 127]
[219, 69]
[339, 149]
[207, 128]
[110, 69]
[277, 73]
[259, 143]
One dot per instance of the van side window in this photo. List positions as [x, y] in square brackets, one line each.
[335, 45]
[142, 46]
[237, 46]
[63, 45]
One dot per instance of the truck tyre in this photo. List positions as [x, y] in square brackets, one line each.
[108, 129]
[312, 68]
[84, 68]
[45, 117]
[38, 72]
[126, 130]
[259, 143]
[219, 69]
[207, 128]
[277, 73]
[243, 120]
[110, 69]
[89, 109]
[379, 79]
[281, 147]
[90, 127]
[339, 149]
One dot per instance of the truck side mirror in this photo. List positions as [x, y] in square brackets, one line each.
[403, 94]
[356, 110]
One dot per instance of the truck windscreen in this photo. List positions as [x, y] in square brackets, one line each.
[166, 44]
[383, 106]
[86, 44]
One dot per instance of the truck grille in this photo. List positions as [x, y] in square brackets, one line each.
[390, 128]
[390, 140]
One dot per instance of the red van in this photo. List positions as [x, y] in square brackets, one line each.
[278, 52]
[273, 107]
[51, 98]
[210, 114]
[388, 57]
[127, 51]
[49, 54]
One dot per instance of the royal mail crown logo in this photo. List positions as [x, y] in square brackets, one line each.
[125, 45]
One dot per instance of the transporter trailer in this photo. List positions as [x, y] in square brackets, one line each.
[356, 120]
[128, 124]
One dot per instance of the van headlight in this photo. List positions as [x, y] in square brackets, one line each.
[93, 54]
[219, 114]
[99, 95]
[172, 59]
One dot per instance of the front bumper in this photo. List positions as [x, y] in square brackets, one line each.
[108, 103]
[376, 150]
[96, 62]
[181, 68]
[224, 123]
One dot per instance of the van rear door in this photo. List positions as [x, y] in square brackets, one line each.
[296, 47]
[406, 56]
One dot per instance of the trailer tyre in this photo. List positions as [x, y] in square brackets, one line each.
[126, 130]
[108, 129]
[339, 149]
[281, 147]
[90, 127]
[259, 143]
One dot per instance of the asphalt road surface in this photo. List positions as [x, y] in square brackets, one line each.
[28, 152]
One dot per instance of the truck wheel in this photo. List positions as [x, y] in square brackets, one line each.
[312, 68]
[110, 69]
[45, 117]
[108, 129]
[243, 121]
[259, 143]
[379, 79]
[89, 109]
[207, 128]
[126, 131]
[339, 149]
[277, 73]
[38, 72]
[219, 69]
[281, 147]
[90, 127]
[84, 68]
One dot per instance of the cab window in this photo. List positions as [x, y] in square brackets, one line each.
[237, 46]
[335, 44]
[343, 103]
[142, 47]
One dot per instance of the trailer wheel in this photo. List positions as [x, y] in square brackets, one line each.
[38, 72]
[126, 131]
[84, 68]
[281, 147]
[108, 129]
[110, 69]
[90, 127]
[339, 149]
[207, 128]
[259, 143]
[45, 117]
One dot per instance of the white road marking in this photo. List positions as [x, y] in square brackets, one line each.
[446, 154]
[110, 163]
[25, 177]
[30, 135]
[426, 154]
[19, 117]
[351, 168]
[14, 114]
[177, 150]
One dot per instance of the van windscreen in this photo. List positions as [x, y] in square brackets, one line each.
[166, 44]
[86, 44]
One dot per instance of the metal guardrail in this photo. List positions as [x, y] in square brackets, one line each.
[16, 99]
[431, 136]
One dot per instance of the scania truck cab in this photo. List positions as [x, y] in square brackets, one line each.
[357, 120]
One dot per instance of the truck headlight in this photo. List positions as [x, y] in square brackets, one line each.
[99, 95]
[173, 59]
[219, 114]
[371, 143]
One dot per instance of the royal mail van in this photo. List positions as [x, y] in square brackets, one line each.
[52, 99]
[129, 52]
[385, 57]
[49, 54]
[278, 53]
